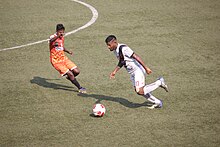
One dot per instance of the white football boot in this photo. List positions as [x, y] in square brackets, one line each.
[163, 85]
[156, 105]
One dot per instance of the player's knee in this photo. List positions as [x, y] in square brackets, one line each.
[139, 91]
[76, 71]
[70, 75]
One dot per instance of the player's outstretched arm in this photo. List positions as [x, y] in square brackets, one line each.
[54, 38]
[138, 58]
[69, 52]
[112, 74]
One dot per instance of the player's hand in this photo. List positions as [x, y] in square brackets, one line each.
[112, 75]
[148, 70]
[71, 53]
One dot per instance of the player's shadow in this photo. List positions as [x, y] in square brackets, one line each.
[120, 100]
[47, 83]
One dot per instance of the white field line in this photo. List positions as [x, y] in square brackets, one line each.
[93, 19]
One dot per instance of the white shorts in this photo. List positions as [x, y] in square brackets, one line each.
[138, 78]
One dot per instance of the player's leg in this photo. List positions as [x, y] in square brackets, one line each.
[72, 66]
[158, 83]
[156, 102]
[138, 80]
[74, 71]
[64, 71]
[148, 96]
[71, 77]
[151, 87]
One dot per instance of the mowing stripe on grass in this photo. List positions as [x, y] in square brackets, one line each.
[93, 19]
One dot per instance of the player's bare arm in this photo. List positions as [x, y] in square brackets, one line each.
[60, 33]
[56, 37]
[112, 75]
[67, 51]
[138, 58]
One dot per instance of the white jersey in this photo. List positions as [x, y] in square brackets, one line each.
[131, 64]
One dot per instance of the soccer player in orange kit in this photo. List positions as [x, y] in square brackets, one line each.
[60, 61]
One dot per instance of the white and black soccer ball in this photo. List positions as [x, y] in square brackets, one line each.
[98, 110]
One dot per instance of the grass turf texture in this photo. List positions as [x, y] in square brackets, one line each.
[176, 39]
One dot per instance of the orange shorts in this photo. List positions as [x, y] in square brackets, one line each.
[64, 66]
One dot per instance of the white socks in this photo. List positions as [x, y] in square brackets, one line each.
[152, 99]
[151, 87]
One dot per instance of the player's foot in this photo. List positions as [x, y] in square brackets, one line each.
[156, 105]
[163, 85]
[152, 107]
[82, 90]
[160, 105]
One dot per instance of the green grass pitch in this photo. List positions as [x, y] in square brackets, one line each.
[177, 39]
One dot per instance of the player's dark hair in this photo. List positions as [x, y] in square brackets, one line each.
[110, 38]
[60, 27]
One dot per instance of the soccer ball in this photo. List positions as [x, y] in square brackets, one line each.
[98, 110]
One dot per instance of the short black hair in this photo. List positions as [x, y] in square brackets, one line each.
[60, 27]
[109, 38]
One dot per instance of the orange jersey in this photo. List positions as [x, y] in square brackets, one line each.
[57, 50]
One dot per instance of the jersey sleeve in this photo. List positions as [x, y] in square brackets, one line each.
[127, 51]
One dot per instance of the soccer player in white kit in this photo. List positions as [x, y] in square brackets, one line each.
[137, 70]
